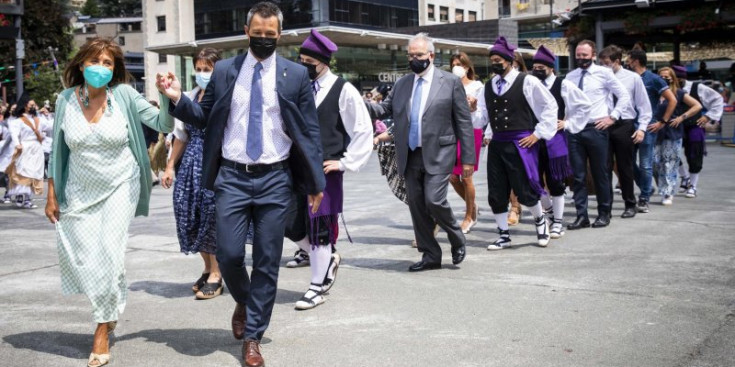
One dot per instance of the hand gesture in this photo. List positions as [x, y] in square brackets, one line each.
[528, 141]
[52, 210]
[703, 121]
[169, 86]
[331, 166]
[560, 124]
[638, 136]
[603, 124]
[168, 178]
[315, 201]
[472, 101]
[656, 126]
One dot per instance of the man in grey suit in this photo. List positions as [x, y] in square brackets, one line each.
[430, 113]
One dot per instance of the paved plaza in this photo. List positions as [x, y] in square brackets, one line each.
[656, 290]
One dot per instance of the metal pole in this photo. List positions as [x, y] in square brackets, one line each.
[19, 56]
[56, 65]
[551, 17]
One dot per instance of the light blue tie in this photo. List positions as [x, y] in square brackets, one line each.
[254, 147]
[413, 132]
[580, 85]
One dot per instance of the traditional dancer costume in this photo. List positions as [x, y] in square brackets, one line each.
[554, 167]
[346, 137]
[517, 106]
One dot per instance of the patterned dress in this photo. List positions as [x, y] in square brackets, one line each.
[102, 193]
[193, 204]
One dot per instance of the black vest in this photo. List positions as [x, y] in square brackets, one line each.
[511, 111]
[694, 93]
[334, 135]
[556, 92]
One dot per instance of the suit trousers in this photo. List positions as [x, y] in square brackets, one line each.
[590, 144]
[427, 202]
[263, 200]
[505, 171]
[622, 151]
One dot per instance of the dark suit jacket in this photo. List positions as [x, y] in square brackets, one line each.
[297, 109]
[445, 120]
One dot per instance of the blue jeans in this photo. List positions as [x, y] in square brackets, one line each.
[643, 167]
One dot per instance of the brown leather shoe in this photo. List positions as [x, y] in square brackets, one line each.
[251, 354]
[238, 322]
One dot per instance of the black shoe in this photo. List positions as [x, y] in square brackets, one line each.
[629, 212]
[458, 254]
[422, 265]
[581, 222]
[601, 221]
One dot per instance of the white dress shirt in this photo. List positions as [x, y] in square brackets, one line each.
[180, 132]
[539, 98]
[472, 90]
[428, 76]
[639, 104]
[356, 120]
[276, 143]
[577, 105]
[599, 82]
[711, 100]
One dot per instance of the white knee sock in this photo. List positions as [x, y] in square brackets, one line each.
[319, 257]
[558, 202]
[501, 219]
[304, 244]
[683, 172]
[695, 179]
[546, 202]
[536, 210]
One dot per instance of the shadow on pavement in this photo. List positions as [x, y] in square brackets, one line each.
[163, 289]
[190, 342]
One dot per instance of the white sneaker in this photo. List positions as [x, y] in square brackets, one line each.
[668, 200]
[691, 193]
[542, 231]
[300, 258]
[557, 228]
[29, 205]
[331, 275]
[311, 299]
[502, 242]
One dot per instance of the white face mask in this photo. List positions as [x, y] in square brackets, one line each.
[459, 71]
[202, 79]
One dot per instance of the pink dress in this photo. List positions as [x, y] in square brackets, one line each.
[472, 89]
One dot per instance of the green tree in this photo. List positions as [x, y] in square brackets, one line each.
[43, 84]
[45, 24]
[119, 8]
[91, 8]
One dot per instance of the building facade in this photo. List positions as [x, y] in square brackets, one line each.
[432, 12]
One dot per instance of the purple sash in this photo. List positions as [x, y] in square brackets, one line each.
[326, 217]
[559, 156]
[695, 141]
[529, 156]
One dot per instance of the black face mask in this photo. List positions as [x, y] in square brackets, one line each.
[263, 47]
[497, 68]
[584, 63]
[668, 81]
[418, 66]
[311, 69]
[541, 74]
[627, 67]
[32, 111]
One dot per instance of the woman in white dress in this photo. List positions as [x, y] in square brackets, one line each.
[25, 172]
[99, 178]
[463, 68]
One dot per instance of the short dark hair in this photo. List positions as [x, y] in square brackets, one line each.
[612, 52]
[266, 9]
[588, 43]
[208, 55]
[639, 55]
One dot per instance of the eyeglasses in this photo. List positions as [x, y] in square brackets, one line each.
[417, 55]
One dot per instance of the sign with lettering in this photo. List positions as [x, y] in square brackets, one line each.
[389, 77]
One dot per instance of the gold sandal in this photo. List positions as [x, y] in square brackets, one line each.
[111, 326]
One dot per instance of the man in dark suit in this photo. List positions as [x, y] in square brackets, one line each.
[430, 113]
[262, 143]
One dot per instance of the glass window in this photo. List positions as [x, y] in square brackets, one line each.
[471, 16]
[121, 41]
[162, 58]
[430, 12]
[443, 14]
[161, 23]
[458, 15]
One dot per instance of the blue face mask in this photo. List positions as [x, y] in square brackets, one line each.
[202, 79]
[97, 76]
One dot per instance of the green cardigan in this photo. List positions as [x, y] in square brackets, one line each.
[137, 111]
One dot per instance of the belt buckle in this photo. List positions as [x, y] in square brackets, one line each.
[247, 168]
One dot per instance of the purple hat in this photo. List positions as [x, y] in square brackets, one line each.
[680, 71]
[544, 56]
[318, 46]
[503, 49]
